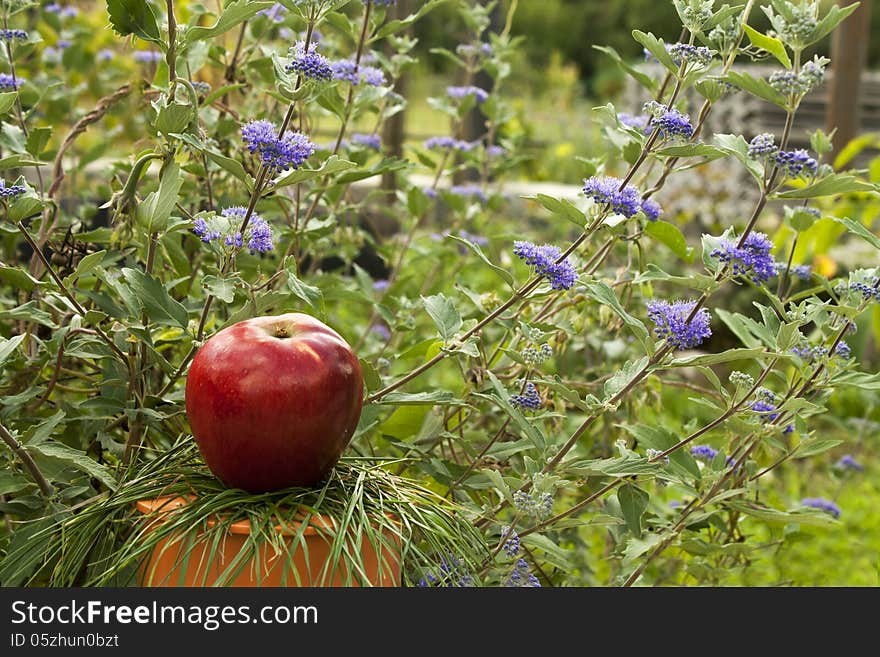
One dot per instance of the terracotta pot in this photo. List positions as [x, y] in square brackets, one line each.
[168, 565]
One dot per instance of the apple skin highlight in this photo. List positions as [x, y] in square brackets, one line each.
[273, 401]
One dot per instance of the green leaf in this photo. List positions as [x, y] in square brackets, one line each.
[445, 315]
[633, 502]
[386, 165]
[561, 207]
[7, 347]
[836, 183]
[645, 80]
[75, 457]
[233, 14]
[372, 380]
[861, 380]
[772, 45]
[831, 20]
[601, 292]
[672, 237]
[815, 446]
[656, 47]
[7, 100]
[156, 208]
[711, 90]
[135, 17]
[393, 26]
[757, 87]
[799, 219]
[155, 300]
[174, 118]
[232, 166]
[661, 439]
[421, 398]
[19, 278]
[722, 357]
[24, 207]
[331, 165]
[738, 147]
[624, 376]
[309, 293]
[17, 160]
[87, 264]
[694, 281]
[692, 150]
[36, 140]
[746, 329]
[222, 288]
[805, 517]
[503, 273]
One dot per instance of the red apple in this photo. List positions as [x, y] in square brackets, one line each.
[273, 401]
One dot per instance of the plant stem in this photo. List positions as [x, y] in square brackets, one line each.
[67, 293]
[171, 55]
[28, 461]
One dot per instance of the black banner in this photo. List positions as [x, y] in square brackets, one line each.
[106, 620]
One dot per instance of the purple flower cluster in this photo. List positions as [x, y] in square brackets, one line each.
[626, 200]
[460, 93]
[368, 141]
[690, 54]
[762, 145]
[540, 507]
[274, 13]
[311, 64]
[11, 35]
[545, 259]
[9, 82]
[277, 153]
[147, 56]
[752, 259]
[843, 350]
[470, 190]
[704, 452]
[225, 228]
[669, 121]
[474, 50]
[794, 163]
[803, 272]
[651, 209]
[522, 577]
[451, 572]
[766, 409]
[450, 143]
[63, 12]
[201, 87]
[869, 292]
[635, 121]
[810, 353]
[822, 504]
[530, 399]
[848, 462]
[790, 83]
[535, 355]
[105, 55]
[787, 82]
[348, 70]
[671, 323]
[512, 544]
[10, 192]
[495, 150]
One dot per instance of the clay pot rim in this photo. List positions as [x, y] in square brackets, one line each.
[292, 527]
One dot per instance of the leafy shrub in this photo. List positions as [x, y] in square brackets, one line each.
[606, 401]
